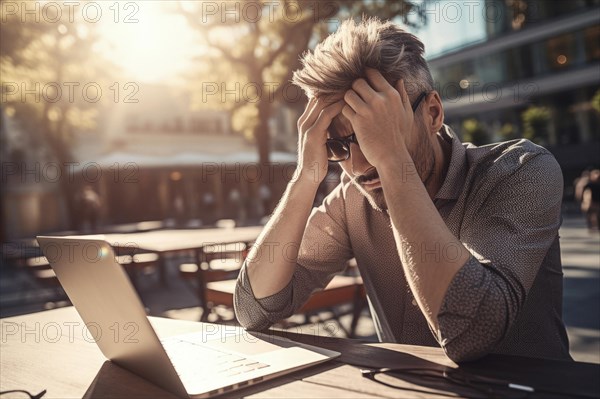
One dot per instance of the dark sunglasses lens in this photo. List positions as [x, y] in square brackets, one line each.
[336, 151]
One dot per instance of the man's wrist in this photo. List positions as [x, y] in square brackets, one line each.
[307, 178]
[400, 164]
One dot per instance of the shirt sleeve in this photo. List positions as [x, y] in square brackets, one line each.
[508, 236]
[324, 251]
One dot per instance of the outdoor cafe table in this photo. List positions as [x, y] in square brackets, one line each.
[50, 350]
[164, 242]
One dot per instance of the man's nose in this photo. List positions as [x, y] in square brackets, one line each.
[358, 163]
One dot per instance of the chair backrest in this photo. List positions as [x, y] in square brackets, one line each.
[217, 262]
[225, 223]
[223, 256]
[340, 291]
[42, 272]
[37, 262]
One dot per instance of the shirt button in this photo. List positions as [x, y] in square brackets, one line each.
[414, 302]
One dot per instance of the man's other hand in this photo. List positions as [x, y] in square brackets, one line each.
[380, 114]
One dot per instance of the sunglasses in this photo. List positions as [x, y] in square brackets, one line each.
[338, 149]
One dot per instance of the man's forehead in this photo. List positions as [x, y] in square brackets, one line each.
[340, 126]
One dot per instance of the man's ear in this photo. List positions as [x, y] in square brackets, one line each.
[434, 112]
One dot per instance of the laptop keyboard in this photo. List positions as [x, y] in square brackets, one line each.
[196, 363]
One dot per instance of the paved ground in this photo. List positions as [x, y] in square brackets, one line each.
[581, 263]
[580, 252]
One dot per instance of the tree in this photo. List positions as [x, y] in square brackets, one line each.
[474, 132]
[508, 131]
[253, 47]
[52, 59]
[596, 101]
[535, 124]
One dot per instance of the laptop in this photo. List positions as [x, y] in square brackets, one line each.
[214, 360]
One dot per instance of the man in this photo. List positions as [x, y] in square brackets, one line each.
[457, 245]
[590, 200]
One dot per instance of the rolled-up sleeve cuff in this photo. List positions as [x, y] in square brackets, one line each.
[259, 314]
[462, 301]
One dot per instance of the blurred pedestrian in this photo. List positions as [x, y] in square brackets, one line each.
[210, 207]
[590, 203]
[579, 184]
[264, 193]
[237, 204]
[88, 206]
[179, 209]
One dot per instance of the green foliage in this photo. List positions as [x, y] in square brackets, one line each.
[474, 132]
[42, 57]
[596, 101]
[535, 124]
[508, 131]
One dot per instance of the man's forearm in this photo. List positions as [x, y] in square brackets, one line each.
[272, 261]
[431, 255]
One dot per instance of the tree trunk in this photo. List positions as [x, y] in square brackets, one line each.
[62, 153]
[264, 143]
[262, 133]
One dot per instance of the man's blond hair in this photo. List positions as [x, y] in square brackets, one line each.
[343, 56]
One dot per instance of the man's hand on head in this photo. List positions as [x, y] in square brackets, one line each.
[380, 114]
[312, 135]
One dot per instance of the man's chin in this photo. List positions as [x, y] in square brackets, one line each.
[374, 196]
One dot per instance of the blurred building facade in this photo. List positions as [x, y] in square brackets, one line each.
[520, 68]
[30, 197]
[175, 163]
[154, 159]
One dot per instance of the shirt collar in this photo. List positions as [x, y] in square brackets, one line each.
[457, 170]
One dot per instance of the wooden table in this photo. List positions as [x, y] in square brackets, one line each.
[51, 350]
[164, 242]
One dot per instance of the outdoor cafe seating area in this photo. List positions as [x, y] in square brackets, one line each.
[199, 265]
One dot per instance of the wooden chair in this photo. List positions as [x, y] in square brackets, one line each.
[216, 262]
[225, 223]
[340, 291]
[39, 268]
[137, 265]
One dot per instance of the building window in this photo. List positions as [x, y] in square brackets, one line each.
[592, 43]
[560, 51]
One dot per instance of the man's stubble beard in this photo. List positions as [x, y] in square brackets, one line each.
[377, 200]
[420, 156]
[375, 197]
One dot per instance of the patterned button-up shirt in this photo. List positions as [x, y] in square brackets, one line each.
[503, 202]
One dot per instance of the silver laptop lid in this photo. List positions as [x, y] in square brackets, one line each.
[103, 295]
